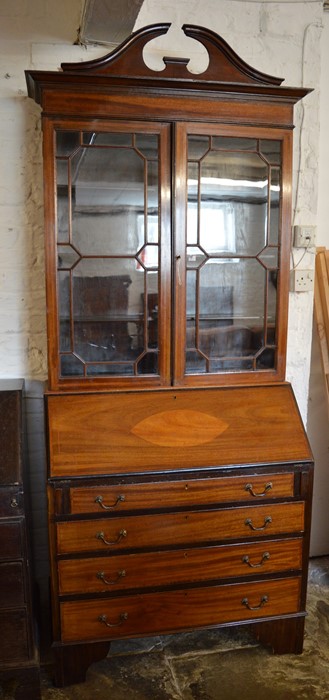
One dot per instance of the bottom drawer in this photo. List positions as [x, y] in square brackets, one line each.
[172, 611]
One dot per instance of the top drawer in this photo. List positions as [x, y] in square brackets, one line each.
[168, 494]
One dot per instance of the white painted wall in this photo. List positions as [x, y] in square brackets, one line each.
[281, 38]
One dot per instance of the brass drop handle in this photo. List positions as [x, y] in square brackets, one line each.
[247, 561]
[102, 577]
[267, 487]
[267, 521]
[263, 601]
[121, 535]
[122, 619]
[99, 500]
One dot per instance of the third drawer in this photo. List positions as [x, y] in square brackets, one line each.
[163, 568]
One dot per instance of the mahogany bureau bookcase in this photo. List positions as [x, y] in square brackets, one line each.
[19, 657]
[180, 475]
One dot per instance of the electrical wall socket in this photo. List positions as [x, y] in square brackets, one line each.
[304, 236]
[302, 280]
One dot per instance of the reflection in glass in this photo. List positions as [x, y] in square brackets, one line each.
[233, 202]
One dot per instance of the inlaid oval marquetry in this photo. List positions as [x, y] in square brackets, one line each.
[179, 428]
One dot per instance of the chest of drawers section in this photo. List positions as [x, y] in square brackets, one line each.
[157, 528]
[167, 554]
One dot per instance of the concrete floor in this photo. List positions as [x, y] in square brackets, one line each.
[215, 665]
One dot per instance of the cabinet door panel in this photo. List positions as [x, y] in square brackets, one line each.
[163, 568]
[230, 255]
[174, 610]
[179, 528]
[113, 294]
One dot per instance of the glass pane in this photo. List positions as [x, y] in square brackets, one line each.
[71, 366]
[63, 201]
[234, 190]
[194, 257]
[107, 299]
[271, 150]
[67, 142]
[216, 302]
[148, 364]
[269, 258]
[197, 147]
[192, 207]
[107, 139]
[275, 198]
[190, 295]
[195, 363]
[152, 187]
[234, 364]
[107, 369]
[64, 311]
[148, 145]
[67, 257]
[109, 196]
[232, 143]
[266, 359]
[272, 307]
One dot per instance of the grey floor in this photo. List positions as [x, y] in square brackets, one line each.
[215, 665]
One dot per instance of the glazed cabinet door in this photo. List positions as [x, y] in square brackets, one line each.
[109, 264]
[141, 298]
[231, 255]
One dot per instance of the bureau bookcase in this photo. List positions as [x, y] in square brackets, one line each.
[180, 475]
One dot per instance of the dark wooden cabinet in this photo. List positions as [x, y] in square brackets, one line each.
[19, 660]
[180, 476]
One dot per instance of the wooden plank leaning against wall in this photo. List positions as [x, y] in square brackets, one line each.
[321, 310]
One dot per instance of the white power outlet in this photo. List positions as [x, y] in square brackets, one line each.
[302, 280]
[304, 236]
